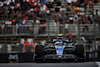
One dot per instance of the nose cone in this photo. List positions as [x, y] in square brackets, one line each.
[59, 51]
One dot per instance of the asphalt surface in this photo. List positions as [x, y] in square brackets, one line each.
[84, 64]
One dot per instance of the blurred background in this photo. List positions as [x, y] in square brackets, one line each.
[39, 21]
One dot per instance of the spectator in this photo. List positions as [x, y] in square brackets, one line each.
[68, 9]
[42, 29]
[18, 25]
[24, 26]
[74, 2]
[90, 9]
[43, 8]
[74, 40]
[49, 5]
[76, 18]
[66, 26]
[82, 8]
[85, 29]
[1, 4]
[57, 9]
[69, 2]
[51, 1]
[97, 13]
[56, 23]
[31, 30]
[83, 40]
[72, 10]
[2, 28]
[29, 40]
[27, 30]
[97, 16]
[1, 10]
[8, 22]
[99, 22]
[24, 22]
[22, 40]
[84, 20]
[31, 11]
[48, 11]
[62, 9]
[89, 41]
[43, 2]
[90, 18]
[70, 36]
[1, 13]
[37, 21]
[85, 4]
[36, 10]
[42, 26]
[71, 19]
[30, 1]
[58, 2]
[43, 42]
[33, 7]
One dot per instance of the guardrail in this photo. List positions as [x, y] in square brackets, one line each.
[29, 57]
[93, 56]
[38, 30]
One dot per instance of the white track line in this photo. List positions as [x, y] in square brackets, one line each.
[98, 63]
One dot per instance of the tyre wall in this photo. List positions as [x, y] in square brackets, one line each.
[16, 57]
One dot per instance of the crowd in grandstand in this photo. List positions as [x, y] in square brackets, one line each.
[20, 12]
[23, 10]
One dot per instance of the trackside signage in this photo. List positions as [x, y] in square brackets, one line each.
[13, 57]
[93, 56]
[16, 57]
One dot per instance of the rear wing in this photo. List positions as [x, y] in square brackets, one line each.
[65, 40]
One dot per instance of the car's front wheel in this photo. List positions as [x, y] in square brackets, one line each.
[79, 50]
[39, 52]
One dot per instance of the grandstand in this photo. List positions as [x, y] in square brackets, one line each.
[44, 19]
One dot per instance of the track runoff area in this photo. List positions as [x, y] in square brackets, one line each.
[80, 64]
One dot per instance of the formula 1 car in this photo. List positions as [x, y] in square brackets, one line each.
[59, 50]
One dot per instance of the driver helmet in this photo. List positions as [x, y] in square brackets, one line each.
[60, 36]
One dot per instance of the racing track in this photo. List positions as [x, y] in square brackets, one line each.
[85, 64]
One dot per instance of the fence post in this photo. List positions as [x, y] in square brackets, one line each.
[19, 48]
[94, 33]
[5, 45]
[34, 35]
[64, 25]
[79, 28]
[48, 28]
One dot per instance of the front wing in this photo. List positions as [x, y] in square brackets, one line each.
[55, 58]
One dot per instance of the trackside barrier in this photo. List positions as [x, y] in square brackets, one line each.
[93, 56]
[16, 57]
[25, 44]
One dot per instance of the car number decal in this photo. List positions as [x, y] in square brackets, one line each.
[59, 50]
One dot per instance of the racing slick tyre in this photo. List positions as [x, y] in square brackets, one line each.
[39, 52]
[79, 50]
[80, 53]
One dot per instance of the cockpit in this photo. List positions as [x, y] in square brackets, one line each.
[60, 43]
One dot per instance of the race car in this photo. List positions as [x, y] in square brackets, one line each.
[59, 50]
